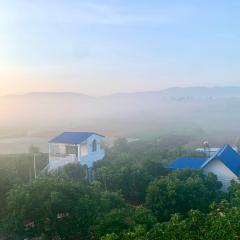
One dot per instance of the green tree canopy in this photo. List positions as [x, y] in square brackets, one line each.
[180, 192]
[50, 208]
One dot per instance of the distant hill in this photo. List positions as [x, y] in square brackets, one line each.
[200, 111]
[48, 95]
[174, 92]
[203, 92]
[191, 92]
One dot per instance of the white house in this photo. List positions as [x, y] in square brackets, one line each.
[225, 164]
[80, 147]
[210, 151]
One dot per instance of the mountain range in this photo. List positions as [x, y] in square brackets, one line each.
[198, 110]
[174, 92]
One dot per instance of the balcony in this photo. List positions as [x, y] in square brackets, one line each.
[59, 160]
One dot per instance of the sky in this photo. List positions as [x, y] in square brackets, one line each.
[100, 47]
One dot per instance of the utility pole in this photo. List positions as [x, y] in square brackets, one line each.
[34, 165]
[34, 151]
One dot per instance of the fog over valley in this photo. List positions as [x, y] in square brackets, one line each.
[195, 113]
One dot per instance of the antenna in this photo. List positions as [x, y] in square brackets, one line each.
[206, 148]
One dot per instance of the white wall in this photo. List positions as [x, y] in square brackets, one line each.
[223, 173]
[57, 162]
[92, 157]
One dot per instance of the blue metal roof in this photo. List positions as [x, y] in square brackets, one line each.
[72, 137]
[187, 162]
[227, 155]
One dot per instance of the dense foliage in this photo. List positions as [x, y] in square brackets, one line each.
[180, 192]
[49, 207]
[133, 197]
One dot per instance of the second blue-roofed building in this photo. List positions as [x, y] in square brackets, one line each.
[84, 148]
[225, 164]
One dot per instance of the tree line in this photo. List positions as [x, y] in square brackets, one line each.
[133, 197]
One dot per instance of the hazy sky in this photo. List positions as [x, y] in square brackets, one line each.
[105, 46]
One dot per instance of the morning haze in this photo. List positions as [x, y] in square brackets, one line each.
[112, 66]
[119, 120]
[197, 113]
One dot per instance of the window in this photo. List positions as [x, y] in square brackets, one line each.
[84, 149]
[70, 149]
[94, 146]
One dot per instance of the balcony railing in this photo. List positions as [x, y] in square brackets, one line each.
[63, 157]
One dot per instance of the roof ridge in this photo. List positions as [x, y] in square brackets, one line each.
[76, 132]
[222, 149]
[192, 157]
[73, 137]
[216, 154]
[228, 156]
